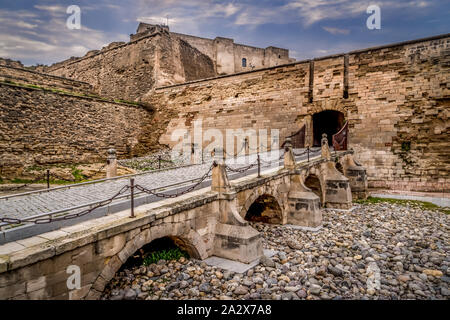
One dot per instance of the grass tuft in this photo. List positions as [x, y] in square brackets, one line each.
[412, 203]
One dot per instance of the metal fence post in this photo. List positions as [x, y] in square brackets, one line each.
[132, 196]
[48, 179]
[159, 162]
[259, 167]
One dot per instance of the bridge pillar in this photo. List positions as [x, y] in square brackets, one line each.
[304, 205]
[234, 239]
[111, 164]
[357, 176]
[336, 187]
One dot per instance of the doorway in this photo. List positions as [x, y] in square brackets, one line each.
[329, 122]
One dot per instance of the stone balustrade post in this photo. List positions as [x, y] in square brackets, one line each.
[289, 160]
[111, 164]
[325, 148]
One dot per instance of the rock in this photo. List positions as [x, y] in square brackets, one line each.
[255, 296]
[193, 292]
[292, 289]
[284, 278]
[294, 245]
[434, 273]
[287, 296]
[184, 284]
[445, 292]
[367, 234]
[130, 294]
[267, 262]
[204, 287]
[301, 294]
[315, 289]
[241, 290]
[335, 271]
[403, 278]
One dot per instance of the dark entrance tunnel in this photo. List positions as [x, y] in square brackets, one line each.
[265, 209]
[329, 122]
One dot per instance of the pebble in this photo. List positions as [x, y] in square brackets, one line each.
[405, 250]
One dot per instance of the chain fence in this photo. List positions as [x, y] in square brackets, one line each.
[49, 218]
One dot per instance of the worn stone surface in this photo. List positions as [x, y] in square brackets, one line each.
[129, 70]
[44, 128]
[397, 108]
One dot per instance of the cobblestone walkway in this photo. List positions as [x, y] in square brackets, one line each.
[76, 196]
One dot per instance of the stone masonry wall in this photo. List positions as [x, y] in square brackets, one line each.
[44, 127]
[129, 70]
[19, 75]
[397, 107]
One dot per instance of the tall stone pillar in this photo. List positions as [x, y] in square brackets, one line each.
[111, 164]
[234, 238]
[337, 192]
[356, 175]
[304, 205]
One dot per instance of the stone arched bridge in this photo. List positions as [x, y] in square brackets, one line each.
[207, 222]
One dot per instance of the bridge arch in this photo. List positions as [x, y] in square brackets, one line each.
[189, 239]
[262, 198]
[313, 179]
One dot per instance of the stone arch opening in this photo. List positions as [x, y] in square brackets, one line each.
[339, 167]
[264, 209]
[161, 247]
[146, 263]
[329, 122]
[313, 183]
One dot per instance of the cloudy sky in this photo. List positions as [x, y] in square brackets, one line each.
[35, 31]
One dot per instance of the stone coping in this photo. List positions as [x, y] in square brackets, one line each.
[46, 75]
[74, 95]
[397, 44]
[101, 52]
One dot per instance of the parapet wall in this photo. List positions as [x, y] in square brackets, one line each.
[19, 75]
[396, 99]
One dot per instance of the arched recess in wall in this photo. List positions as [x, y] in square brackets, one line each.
[327, 121]
[244, 63]
[265, 209]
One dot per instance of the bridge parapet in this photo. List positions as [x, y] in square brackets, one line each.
[207, 222]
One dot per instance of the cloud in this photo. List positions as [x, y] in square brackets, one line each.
[333, 30]
[48, 40]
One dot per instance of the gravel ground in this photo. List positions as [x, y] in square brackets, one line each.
[378, 251]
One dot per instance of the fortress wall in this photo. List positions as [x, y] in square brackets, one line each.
[19, 75]
[397, 108]
[39, 127]
[130, 70]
